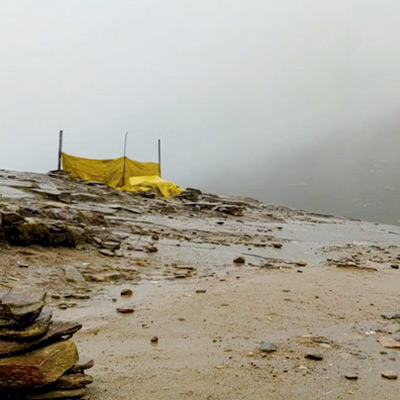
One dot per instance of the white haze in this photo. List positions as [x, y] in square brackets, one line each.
[293, 102]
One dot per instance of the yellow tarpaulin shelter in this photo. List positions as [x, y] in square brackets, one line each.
[155, 183]
[117, 173]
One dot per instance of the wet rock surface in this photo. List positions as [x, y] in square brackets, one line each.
[39, 327]
[340, 305]
[22, 304]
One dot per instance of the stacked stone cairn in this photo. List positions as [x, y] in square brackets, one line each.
[38, 360]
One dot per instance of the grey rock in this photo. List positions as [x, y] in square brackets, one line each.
[72, 274]
[391, 314]
[268, 347]
[111, 245]
[107, 252]
[23, 304]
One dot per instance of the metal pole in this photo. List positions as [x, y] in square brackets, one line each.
[159, 157]
[60, 143]
[123, 176]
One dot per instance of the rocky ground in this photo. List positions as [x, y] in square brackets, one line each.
[208, 297]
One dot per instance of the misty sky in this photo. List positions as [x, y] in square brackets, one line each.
[293, 102]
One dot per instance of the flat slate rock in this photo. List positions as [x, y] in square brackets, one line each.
[23, 304]
[391, 314]
[388, 342]
[57, 394]
[83, 364]
[56, 331]
[38, 368]
[38, 328]
[73, 381]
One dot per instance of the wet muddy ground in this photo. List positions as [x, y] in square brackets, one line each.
[210, 314]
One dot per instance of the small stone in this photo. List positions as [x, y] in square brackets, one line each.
[201, 291]
[73, 275]
[22, 265]
[155, 237]
[277, 245]
[351, 377]
[239, 260]
[389, 375]
[107, 252]
[314, 356]
[388, 342]
[301, 263]
[73, 381]
[395, 266]
[391, 314]
[151, 249]
[125, 310]
[325, 345]
[154, 339]
[111, 245]
[268, 347]
[126, 292]
[83, 364]
[118, 253]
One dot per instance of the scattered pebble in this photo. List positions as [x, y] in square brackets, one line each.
[314, 356]
[268, 347]
[125, 310]
[351, 377]
[389, 375]
[301, 263]
[126, 292]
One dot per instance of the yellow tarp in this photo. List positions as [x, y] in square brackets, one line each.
[154, 183]
[120, 173]
[113, 172]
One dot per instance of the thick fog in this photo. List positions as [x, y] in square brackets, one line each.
[292, 102]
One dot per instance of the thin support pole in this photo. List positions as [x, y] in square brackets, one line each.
[123, 173]
[159, 157]
[60, 143]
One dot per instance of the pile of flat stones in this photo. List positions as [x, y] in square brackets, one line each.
[38, 360]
